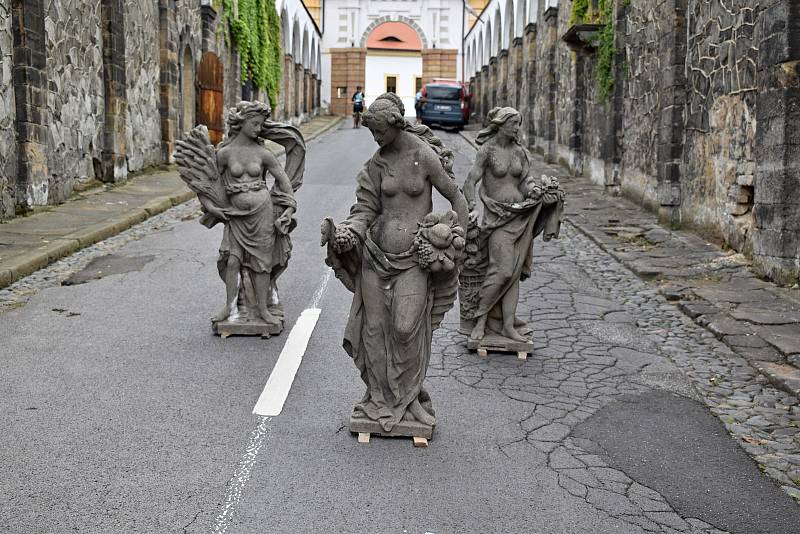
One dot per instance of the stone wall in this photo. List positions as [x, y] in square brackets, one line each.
[95, 89]
[722, 53]
[143, 129]
[73, 43]
[645, 26]
[701, 124]
[8, 148]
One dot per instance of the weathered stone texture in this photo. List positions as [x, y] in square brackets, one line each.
[565, 63]
[595, 124]
[189, 26]
[645, 30]
[8, 149]
[75, 96]
[722, 51]
[545, 83]
[143, 128]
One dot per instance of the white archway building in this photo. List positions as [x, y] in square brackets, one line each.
[347, 61]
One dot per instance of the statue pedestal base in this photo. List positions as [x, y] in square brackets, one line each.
[249, 328]
[497, 343]
[364, 427]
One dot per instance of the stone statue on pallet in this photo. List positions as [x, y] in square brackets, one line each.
[233, 186]
[499, 253]
[401, 262]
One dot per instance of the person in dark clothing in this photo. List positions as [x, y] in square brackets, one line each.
[358, 106]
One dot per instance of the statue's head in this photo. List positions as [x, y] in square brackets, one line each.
[248, 118]
[504, 121]
[385, 118]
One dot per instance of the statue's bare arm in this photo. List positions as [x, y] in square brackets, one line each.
[274, 167]
[475, 175]
[526, 168]
[447, 187]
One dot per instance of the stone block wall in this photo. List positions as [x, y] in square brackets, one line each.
[142, 53]
[776, 203]
[73, 41]
[8, 114]
[93, 89]
[719, 164]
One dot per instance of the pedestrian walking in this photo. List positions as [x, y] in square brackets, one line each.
[358, 106]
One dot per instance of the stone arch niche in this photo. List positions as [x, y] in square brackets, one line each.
[393, 61]
[188, 97]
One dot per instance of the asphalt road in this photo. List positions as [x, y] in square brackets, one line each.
[122, 413]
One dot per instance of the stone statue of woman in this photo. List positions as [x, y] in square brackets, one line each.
[516, 208]
[233, 186]
[401, 262]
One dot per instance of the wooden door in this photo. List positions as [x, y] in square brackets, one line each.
[210, 80]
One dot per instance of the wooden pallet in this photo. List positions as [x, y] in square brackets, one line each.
[365, 428]
[492, 342]
[363, 437]
[232, 328]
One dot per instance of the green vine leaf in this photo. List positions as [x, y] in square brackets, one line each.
[256, 32]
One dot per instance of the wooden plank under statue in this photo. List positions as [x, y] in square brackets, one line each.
[401, 262]
[499, 249]
[232, 183]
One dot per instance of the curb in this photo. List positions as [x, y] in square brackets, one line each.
[28, 263]
[328, 127]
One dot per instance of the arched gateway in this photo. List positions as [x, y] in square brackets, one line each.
[393, 63]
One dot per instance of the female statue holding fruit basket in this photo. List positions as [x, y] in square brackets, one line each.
[401, 262]
[499, 251]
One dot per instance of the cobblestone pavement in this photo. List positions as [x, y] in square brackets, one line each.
[606, 333]
[758, 320]
[600, 333]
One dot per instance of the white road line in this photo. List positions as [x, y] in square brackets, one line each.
[271, 401]
[240, 476]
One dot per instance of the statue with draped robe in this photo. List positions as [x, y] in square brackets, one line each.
[499, 249]
[401, 262]
[242, 185]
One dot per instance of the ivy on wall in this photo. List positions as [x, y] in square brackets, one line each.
[584, 13]
[606, 50]
[256, 32]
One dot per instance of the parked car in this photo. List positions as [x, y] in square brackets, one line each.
[446, 104]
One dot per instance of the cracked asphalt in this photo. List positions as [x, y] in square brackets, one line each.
[124, 414]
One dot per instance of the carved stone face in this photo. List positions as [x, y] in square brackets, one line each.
[383, 134]
[511, 127]
[252, 126]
